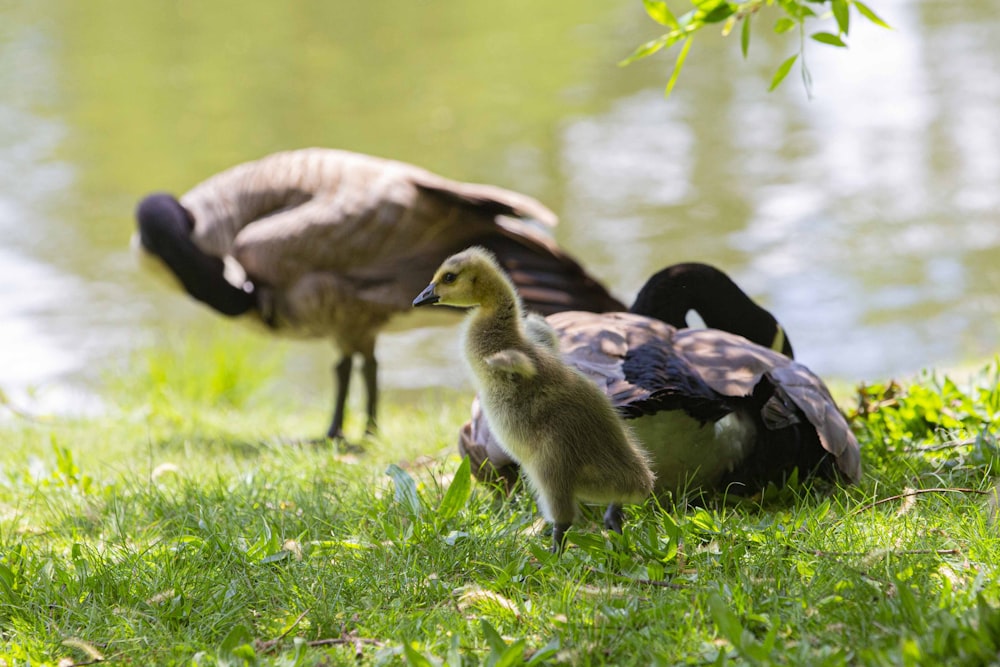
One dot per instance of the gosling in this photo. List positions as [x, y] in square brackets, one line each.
[549, 417]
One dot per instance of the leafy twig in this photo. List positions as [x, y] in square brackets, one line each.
[270, 644]
[951, 444]
[344, 638]
[682, 29]
[349, 638]
[906, 552]
[916, 492]
[659, 583]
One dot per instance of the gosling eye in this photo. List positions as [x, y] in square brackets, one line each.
[448, 278]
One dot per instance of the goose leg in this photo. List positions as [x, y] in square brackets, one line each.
[370, 372]
[341, 378]
[613, 517]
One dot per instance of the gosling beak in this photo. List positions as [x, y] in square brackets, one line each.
[427, 297]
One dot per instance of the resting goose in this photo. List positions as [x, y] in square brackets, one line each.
[715, 411]
[555, 422]
[332, 244]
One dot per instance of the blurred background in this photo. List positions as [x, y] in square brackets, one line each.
[867, 218]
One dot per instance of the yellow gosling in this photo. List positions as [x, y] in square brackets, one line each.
[556, 423]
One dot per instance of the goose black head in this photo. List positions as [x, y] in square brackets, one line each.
[160, 217]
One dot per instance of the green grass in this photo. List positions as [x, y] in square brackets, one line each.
[188, 525]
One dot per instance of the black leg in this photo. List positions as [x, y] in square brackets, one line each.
[559, 537]
[613, 517]
[370, 371]
[341, 378]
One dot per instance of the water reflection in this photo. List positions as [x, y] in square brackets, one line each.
[861, 217]
[867, 218]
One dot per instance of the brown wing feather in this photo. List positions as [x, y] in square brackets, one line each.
[381, 225]
[734, 366]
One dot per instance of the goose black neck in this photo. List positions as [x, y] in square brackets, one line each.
[671, 293]
[165, 231]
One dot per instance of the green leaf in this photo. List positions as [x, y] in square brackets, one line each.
[458, 491]
[870, 15]
[745, 36]
[414, 657]
[647, 49]
[659, 12]
[514, 655]
[587, 541]
[493, 638]
[828, 38]
[783, 25]
[543, 654]
[843, 15]
[782, 72]
[728, 623]
[275, 557]
[797, 10]
[238, 636]
[406, 489]
[720, 12]
[7, 581]
[678, 65]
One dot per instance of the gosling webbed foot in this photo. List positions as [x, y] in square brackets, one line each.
[559, 537]
[613, 517]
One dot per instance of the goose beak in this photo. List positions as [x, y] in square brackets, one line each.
[427, 297]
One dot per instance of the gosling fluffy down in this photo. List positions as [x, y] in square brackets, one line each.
[549, 417]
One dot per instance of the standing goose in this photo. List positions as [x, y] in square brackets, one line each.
[715, 411]
[555, 422]
[328, 243]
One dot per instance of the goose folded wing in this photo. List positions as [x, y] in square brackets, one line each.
[631, 358]
[486, 198]
[801, 387]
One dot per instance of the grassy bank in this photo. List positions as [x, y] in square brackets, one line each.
[190, 524]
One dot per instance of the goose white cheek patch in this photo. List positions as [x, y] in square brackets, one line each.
[694, 320]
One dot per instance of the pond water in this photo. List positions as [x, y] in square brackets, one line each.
[866, 218]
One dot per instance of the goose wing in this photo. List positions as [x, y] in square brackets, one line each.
[789, 391]
[797, 384]
[381, 226]
[631, 357]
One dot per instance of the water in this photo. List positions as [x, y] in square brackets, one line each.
[866, 218]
